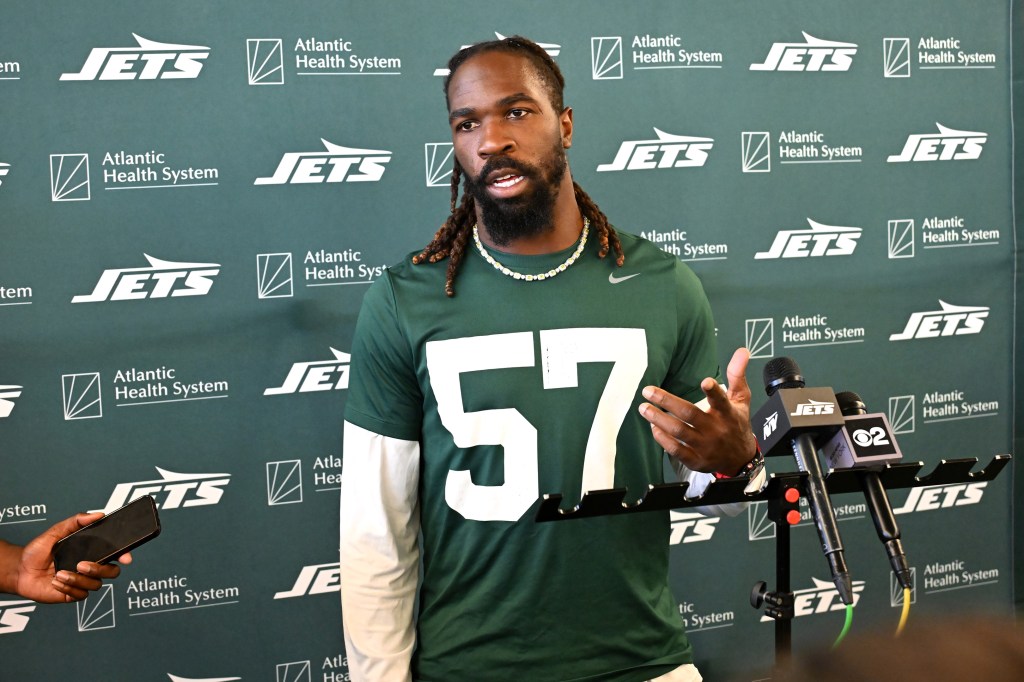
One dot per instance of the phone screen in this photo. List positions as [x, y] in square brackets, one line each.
[106, 539]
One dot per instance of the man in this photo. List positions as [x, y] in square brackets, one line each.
[29, 571]
[464, 408]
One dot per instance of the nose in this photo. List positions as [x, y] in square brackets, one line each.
[494, 139]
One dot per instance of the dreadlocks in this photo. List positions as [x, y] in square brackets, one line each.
[451, 239]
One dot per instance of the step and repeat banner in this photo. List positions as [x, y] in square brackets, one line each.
[195, 196]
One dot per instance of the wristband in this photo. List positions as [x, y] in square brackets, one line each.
[750, 469]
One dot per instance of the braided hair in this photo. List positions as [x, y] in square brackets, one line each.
[453, 235]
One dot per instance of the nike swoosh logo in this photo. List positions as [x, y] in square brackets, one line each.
[615, 280]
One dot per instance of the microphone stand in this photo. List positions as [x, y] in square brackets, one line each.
[779, 602]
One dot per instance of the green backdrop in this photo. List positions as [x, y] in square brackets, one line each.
[194, 197]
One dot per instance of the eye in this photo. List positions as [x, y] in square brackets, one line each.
[465, 126]
[517, 113]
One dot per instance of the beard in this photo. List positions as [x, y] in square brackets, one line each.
[527, 215]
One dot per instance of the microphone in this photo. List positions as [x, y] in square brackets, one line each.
[871, 442]
[798, 419]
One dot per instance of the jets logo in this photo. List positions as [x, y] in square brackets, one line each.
[822, 598]
[172, 490]
[160, 280]
[933, 497]
[334, 164]
[951, 320]
[819, 240]
[946, 145]
[668, 151]
[691, 527]
[813, 407]
[318, 579]
[14, 615]
[813, 54]
[148, 60]
[323, 375]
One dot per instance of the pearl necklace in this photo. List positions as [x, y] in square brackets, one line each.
[533, 278]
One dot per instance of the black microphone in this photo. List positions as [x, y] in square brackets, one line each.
[879, 437]
[794, 418]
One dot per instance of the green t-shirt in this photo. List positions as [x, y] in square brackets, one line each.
[515, 389]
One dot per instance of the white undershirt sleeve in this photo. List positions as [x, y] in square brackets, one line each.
[380, 523]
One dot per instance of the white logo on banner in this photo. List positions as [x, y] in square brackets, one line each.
[172, 490]
[760, 337]
[7, 396]
[437, 157]
[930, 498]
[160, 280]
[946, 145]
[321, 375]
[97, 612]
[14, 615]
[668, 151]
[82, 399]
[822, 598]
[148, 60]
[757, 152]
[951, 320]
[896, 593]
[296, 671]
[551, 48]
[336, 164]
[812, 55]
[265, 57]
[902, 413]
[819, 240]
[284, 482]
[69, 177]
[5, 168]
[606, 58]
[901, 238]
[896, 57]
[274, 275]
[691, 527]
[317, 579]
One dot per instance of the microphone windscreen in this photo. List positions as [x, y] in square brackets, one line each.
[850, 403]
[782, 372]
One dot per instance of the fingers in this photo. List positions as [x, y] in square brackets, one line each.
[736, 373]
[101, 571]
[74, 586]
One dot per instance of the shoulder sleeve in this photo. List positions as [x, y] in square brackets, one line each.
[379, 557]
[696, 354]
[384, 395]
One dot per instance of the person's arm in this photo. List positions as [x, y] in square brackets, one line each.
[29, 571]
[379, 554]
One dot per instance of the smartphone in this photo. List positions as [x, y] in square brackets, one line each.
[104, 540]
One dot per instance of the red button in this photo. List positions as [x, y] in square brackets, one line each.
[793, 517]
[792, 495]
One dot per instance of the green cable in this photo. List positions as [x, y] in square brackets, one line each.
[846, 626]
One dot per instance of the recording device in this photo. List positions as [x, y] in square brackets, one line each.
[104, 540]
[799, 420]
[867, 440]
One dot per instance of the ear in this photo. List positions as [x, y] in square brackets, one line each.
[565, 123]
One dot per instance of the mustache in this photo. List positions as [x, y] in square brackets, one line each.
[504, 163]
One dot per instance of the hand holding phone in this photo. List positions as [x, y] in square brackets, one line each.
[104, 540]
